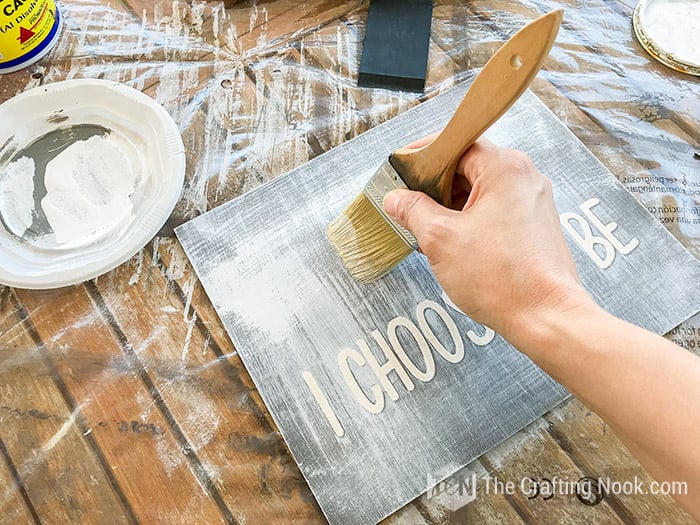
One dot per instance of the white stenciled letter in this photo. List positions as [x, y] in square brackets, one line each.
[607, 229]
[607, 243]
[344, 357]
[478, 340]
[429, 361]
[323, 403]
[382, 371]
[452, 357]
[587, 240]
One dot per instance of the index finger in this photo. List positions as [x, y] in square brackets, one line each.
[476, 160]
[416, 144]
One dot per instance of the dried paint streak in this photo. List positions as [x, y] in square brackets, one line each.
[39, 458]
[178, 264]
[188, 290]
[200, 425]
[158, 334]
[171, 457]
[203, 417]
[188, 338]
[87, 319]
[62, 431]
[139, 268]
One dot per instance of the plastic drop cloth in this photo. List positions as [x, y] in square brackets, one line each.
[123, 399]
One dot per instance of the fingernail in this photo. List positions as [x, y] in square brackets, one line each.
[391, 203]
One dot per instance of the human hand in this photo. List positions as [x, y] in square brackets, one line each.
[503, 261]
[502, 258]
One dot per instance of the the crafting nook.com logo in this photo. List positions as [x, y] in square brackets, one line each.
[457, 490]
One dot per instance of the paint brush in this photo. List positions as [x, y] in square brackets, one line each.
[369, 242]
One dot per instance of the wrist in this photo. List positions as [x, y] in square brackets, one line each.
[546, 331]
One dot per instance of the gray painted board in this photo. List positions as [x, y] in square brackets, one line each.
[297, 318]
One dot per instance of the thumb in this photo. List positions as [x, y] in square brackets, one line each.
[415, 211]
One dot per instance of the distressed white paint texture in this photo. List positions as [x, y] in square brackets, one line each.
[290, 307]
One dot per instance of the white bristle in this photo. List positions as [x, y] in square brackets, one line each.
[367, 244]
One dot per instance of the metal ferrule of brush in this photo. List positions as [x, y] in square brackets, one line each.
[384, 180]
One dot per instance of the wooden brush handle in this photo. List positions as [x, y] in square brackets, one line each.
[499, 84]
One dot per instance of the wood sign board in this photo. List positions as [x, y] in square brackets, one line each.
[380, 388]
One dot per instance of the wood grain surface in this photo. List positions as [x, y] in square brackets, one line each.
[123, 400]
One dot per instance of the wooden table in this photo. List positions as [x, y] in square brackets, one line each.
[122, 400]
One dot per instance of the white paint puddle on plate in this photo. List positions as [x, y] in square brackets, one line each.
[87, 179]
[88, 190]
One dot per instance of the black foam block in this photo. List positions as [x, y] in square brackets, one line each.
[395, 49]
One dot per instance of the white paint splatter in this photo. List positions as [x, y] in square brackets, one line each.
[178, 262]
[203, 417]
[188, 290]
[170, 455]
[61, 431]
[139, 268]
[155, 335]
[188, 338]
[91, 316]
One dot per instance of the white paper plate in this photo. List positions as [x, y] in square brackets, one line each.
[138, 127]
[670, 32]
